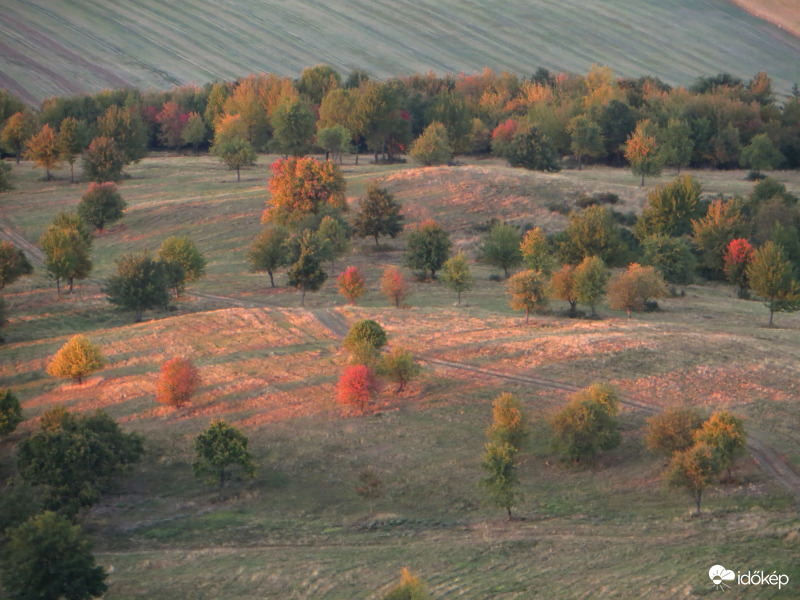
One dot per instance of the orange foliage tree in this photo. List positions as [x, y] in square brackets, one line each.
[177, 382]
[351, 284]
[394, 286]
[300, 187]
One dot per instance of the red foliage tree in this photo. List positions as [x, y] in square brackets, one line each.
[172, 120]
[177, 382]
[738, 254]
[356, 386]
[351, 284]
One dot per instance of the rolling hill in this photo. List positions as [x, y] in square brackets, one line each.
[76, 46]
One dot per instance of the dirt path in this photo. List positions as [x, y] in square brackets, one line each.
[33, 252]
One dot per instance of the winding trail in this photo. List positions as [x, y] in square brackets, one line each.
[339, 326]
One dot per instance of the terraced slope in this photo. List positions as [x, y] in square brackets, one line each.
[52, 48]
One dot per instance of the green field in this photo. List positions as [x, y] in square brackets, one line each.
[72, 46]
[299, 530]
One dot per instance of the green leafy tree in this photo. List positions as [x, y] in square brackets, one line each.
[76, 359]
[726, 435]
[591, 281]
[670, 209]
[509, 424]
[306, 273]
[293, 127]
[66, 255]
[140, 284]
[218, 449]
[693, 469]
[501, 484]
[65, 220]
[317, 81]
[125, 126]
[364, 340]
[528, 291]
[332, 239]
[586, 426]
[73, 137]
[399, 366]
[76, 458]
[16, 132]
[10, 412]
[642, 152]
[100, 204]
[587, 138]
[761, 155]
[533, 150]
[771, 276]
[103, 161]
[633, 288]
[409, 588]
[451, 110]
[673, 430]
[181, 251]
[502, 247]
[676, 144]
[672, 257]
[724, 221]
[335, 140]
[536, 252]
[13, 264]
[428, 247]
[5, 175]
[43, 149]
[456, 275]
[235, 153]
[432, 147]
[49, 557]
[591, 232]
[195, 131]
[268, 252]
[378, 214]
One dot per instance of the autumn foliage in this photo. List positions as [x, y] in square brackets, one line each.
[177, 382]
[76, 359]
[394, 286]
[738, 254]
[356, 386]
[300, 187]
[351, 284]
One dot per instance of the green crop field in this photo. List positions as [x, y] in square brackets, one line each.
[299, 530]
[71, 46]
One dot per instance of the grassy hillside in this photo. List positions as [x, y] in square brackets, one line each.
[56, 48]
[299, 530]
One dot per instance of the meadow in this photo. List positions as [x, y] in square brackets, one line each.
[299, 530]
[69, 47]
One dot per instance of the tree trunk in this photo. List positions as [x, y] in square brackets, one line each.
[356, 158]
[771, 312]
[58, 287]
[592, 306]
[505, 272]
[271, 280]
[400, 387]
[527, 315]
[80, 379]
[72, 172]
[579, 163]
[376, 240]
[697, 495]
[508, 509]
[397, 301]
[70, 285]
[459, 298]
[628, 310]
[221, 478]
[138, 315]
[18, 153]
[572, 307]
[303, 298]
[238, 178]
[47, 172]
[433, 275]
[642, 180]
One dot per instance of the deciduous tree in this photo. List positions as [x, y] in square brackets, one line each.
[587, 139]
[139, 284]
[181, 251]
[301, 187]
[502, 482]
[125, 126]
[351, 284]
[726, 435]
[235, 153]
[711, 234]
[103, 161]
[293, 126]
[218, 449]
[532, 149]
[49, 557]
[587, 425]
[432, 147]
[195, 131]
[428, 247]
[378, 214]
[591, 232]
[502, 247]
[771, 276]
[409, 588]
[177, 382]
[100, 204]
[364, 339]
[673, 430]
[528, 291]
[676, 144]
[10, 412]
[738, 255]
[456, 274]
[306, 273]
[591, 281]
[317, 81]
[76, 359]
[535, 251]
[671, 256]
[393, 286]
[510, 422]
[562, 286]
[631, 289]
[73, 136]
[670, 209]
[332, 239]
[43, 149]
[66, 255]
[761, 155]
[641, 150]
[356, 386]
[13, 264]
[335, 140]
[268, 252]
[693, 469]
[16, 132]
[399, 366]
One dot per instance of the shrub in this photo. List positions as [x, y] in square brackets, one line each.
[432, 147]
[177, 382]
[364, 339]
[399, 366]
[587, 425]
[10, 412]
[631, 289]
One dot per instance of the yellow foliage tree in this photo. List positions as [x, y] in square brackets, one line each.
[76, 359]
